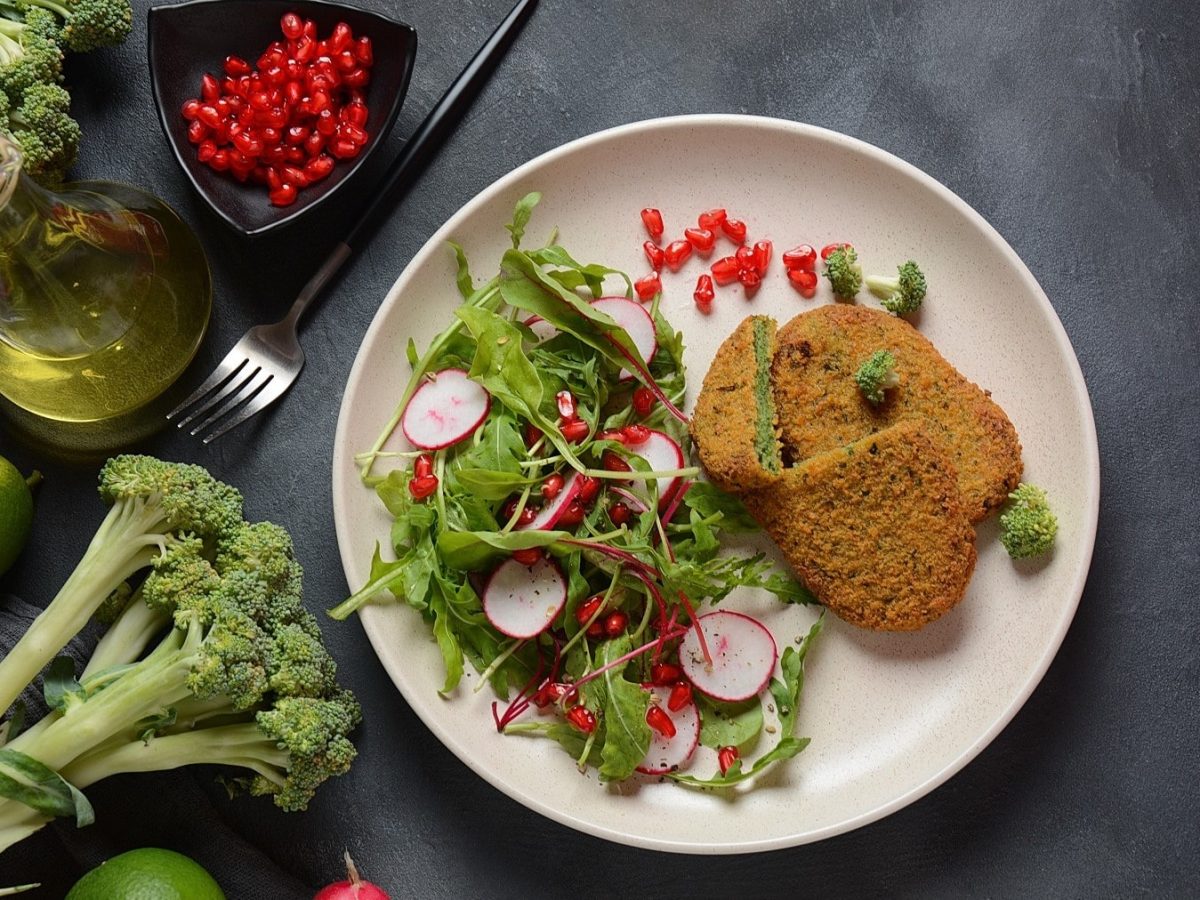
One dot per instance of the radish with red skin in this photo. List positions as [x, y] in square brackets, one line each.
[669, 754]
[444, 409]
[664, 454]
[549, 514]
[353, 888]
[743, 656]
[541, 329]
[521, 601]
[637, 324]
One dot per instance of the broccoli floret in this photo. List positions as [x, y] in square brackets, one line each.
[1027, 526]
[903, 293]
[42, 125]
[29, 53]
[87, 24]
[877, 375]
[844, 272]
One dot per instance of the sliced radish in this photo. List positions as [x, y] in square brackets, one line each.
[743, 656]
[542, 329]
[663, 454]
[632, 500]
[549, 514]
[637, 324]
[671, 754]
[522, 601]
[444, 410]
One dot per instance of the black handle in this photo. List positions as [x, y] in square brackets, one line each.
[438, 124]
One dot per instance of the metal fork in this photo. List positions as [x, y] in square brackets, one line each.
[267, 359]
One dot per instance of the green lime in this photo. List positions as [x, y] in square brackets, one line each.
[16, 513]
[147, 874]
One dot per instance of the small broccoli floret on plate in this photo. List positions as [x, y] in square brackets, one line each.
[844, 272]
[902, 293]
[1027, 525]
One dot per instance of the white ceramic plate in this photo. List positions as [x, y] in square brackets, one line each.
[891, 716]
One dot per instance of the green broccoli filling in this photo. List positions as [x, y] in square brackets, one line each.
[765, 441]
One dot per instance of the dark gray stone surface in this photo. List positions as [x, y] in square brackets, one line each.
[1071, 126]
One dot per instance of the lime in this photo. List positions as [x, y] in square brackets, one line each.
[147, 874]
[16, 513]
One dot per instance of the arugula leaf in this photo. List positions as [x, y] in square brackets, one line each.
[33, 783]
[708, 500]
[626, 734]
[466, 286]
[729, 724]
[521, 214]
[500, 448]
[443, 633]
[592, 275]
[490, 484]
[472, 550]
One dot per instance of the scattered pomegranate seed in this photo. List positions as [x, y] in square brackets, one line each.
[549, 693]
[750, 280]
[703, 239]
[422, 487]
[615, 623]
[566, 404]
[762, 256]
[735, 230]
[643, 398]
[572, 515]
[529, 556]
[190, 108]
[676, 254]
[533, 434]
[648, 287]
[712, 219]
[665, 673]
[653, 221]
[704, 293]
[681, 696]
[582, 719]
[802, 257]
[574, 431]
[423, 465]
[552, 486]
[654, 253]
[726, 757]
[589, 487]
[745, 257]
[660, 721]
[829, 248]
[619, 513]
[725, 270]
[613, 463]
[635, 434]
[586, 610]
[804, 281]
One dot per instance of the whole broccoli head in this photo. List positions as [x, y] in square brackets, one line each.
[186, 497]
[844, 272]
[1027, 525]
[903, 293]
[86, 24]
[877, 375]
[42, 125]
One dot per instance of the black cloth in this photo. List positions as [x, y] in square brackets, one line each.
[1071, 126]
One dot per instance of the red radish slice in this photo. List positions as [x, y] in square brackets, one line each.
[637, 324]
[632, 500]
[663, 453]
[444, 410]
[743, 656]
[549, 514]
[522, 601]
[542, 329]
[670, 754]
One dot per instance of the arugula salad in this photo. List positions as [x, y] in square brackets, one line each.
[549, 528]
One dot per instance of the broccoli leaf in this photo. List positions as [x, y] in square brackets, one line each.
[59, 686]
[28, 781]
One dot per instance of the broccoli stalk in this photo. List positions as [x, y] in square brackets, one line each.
[154, 504]
[903, 293]
[877, 375]
[844, 272]
[1027, 526]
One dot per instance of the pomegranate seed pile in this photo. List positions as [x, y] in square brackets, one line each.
[748, 265]
[285, 121]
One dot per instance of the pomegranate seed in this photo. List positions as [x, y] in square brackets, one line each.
[665, 673]
[528, 557]
[357, 78]
[676, 254]
[363, 52]
[712, 219]
[589, 487]
[829, 248]
[291, 25]
[619, 513]
[653, 221]
[572, 515]
[735, 230]
[611, 436]
[274, 181]
[745, 258]
[704, 293]
[552, 486]
[420, 488]
[654, 254]
[648, 287]
[802, 257]
[314, 144]
[190, 109]
[220, 161]
[703, 239]
[549, 693]
[635, 434]
[236, 66]
[588, 608]
[341, 37]
[804, 281]
[352, 132]
[210, 88]
[726, 757]
[310, 28]
[423, 465]
[284, 196]
[582, 719]
[643, 399]
[615, 624]
[613, 463]
[660, 721]
[525, 519]
[197, 131]
[355, 114]
[344, 149]
[205, 151]
[681, 696]
[725, 270]
[575, 430]
[750, 280]
[762, 256]
[566, 404]
[533, 434]
[208, 115]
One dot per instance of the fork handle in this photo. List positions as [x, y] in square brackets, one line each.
[313, 287]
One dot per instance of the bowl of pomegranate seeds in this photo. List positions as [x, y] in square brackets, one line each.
[271, 106]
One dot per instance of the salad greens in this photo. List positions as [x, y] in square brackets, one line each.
[636, 546]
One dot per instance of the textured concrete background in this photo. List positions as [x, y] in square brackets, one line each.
[1071, 126]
